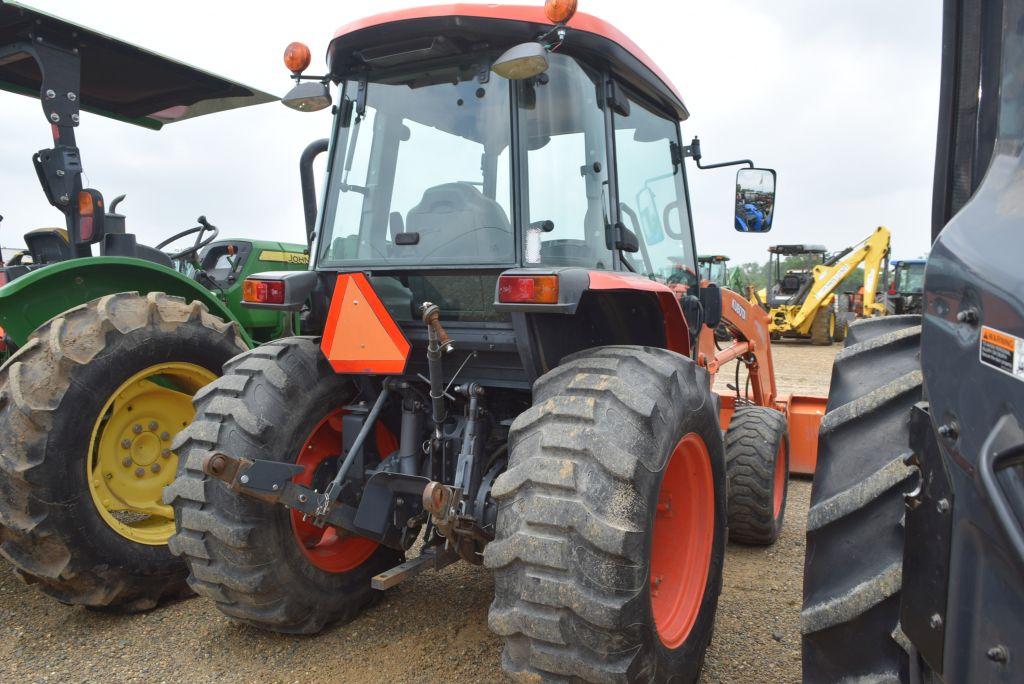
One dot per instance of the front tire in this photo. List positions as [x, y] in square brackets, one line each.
[823, 328]
[612, 522]
[260, 563]
[853, 563]
[88, 408]
[757, 465]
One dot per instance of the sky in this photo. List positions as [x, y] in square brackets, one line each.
[840, 98]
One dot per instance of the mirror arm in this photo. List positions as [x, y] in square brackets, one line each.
[693, 150]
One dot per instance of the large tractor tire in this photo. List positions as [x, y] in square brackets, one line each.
[88, 409]
[757, 466]
[612, 522]
[853, 566]
[823, 328]
[261, 564]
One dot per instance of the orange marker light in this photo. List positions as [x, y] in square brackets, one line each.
[517, 289]
[559, 11]
[296, 57]
[85, 205]
[263, 291]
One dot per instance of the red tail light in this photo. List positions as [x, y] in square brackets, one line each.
[516, 289]
[4, 279]
[263, 291]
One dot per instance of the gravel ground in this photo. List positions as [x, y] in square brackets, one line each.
[431, 628]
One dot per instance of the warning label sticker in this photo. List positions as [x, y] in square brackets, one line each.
[1002, 351]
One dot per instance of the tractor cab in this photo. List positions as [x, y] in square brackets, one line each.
[798, 262]
[714, 268]
[906, 286]
[68, 67]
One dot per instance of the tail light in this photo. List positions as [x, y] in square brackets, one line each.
[263, 291]
[4, 279]
[86, 210]
[528, 289]
[892, 288]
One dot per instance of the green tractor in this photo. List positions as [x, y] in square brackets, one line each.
[106, 351]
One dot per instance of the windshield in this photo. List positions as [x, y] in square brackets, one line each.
[910, 278]
[423, 175]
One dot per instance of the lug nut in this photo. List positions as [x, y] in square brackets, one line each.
[136, 428]
[140, 471]
[153, 425]
[166, 453]
[126, 444]
[126, 461]
[164, 436]
[155, 467]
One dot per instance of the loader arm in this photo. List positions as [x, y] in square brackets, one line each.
[872, 252]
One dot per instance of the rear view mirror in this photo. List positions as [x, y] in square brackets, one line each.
[310, 96]
[755, 200]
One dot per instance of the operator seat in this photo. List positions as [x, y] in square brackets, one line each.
[456, 221]
[48, 245]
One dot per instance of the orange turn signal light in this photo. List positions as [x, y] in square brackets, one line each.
[297, 57]
[528, 289]
[85, 204]
[559, 11]
[263, 291]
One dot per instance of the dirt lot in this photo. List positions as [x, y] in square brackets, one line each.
[434, 627]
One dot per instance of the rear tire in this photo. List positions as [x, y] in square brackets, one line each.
[757, 466]
[242, 553]
[823, 328]
[842, 328]
[52, 394]
[852, 570]
[585, 502]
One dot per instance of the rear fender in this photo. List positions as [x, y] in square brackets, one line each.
[36, 297]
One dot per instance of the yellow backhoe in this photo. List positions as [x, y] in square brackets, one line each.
[801, 302]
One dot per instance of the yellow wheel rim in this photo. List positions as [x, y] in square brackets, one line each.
[130, 457]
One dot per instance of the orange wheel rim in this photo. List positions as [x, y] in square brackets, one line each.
[324, 547]
[779, 489]
[684, 534]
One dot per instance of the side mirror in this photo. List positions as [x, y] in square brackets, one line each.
[90, 217]
[711, 302]
[310, 96]
[755, 200]
[627, 240]
[525, 60]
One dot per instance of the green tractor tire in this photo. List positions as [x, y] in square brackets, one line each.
[89, 406]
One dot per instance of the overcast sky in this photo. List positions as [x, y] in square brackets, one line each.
[839, 97]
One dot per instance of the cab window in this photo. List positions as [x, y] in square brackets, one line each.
[652, 196]
[566, 198]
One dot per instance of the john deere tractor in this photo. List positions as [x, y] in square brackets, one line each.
[498, 367]
[108, 349]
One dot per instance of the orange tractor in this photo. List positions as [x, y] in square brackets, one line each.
[504, 374]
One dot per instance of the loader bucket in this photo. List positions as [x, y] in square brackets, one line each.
[803, 415]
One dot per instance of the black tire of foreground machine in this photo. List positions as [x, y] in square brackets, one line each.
[853, 563]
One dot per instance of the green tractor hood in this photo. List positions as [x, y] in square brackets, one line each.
[118, 80]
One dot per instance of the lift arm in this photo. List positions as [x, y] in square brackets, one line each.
[872, 252]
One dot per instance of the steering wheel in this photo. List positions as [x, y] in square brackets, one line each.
[201, 230]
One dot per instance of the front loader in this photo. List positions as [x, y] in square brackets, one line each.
[105, 351]
[500, 367]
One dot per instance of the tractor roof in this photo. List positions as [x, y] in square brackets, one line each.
[118, 80]
[414, 35]
[711, 258]
[791, 250]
